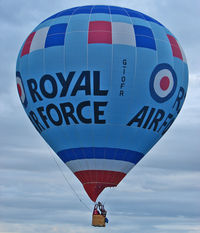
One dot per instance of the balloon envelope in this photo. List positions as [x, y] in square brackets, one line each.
[102, 85]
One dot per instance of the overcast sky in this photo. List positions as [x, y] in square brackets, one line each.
[161, 194]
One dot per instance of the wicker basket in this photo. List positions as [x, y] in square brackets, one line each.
[98, 220]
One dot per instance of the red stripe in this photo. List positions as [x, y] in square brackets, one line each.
[175, 47]
[27, 45]
[101, 176]
[94, 181]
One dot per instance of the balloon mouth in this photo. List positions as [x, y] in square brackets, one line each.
[93, 190]
[95, 181]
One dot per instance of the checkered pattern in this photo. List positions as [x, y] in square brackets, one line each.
[105, 32]
[44, 38]
[100, 32]
[39, 38]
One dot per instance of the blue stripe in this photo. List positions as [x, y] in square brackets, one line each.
[51, 17]
[133, 13]
[83, 10]
[118, 11]
[68, 12]
[148, 18]
[103, 9]
[62, 13]
[100, 153]
[100, 9]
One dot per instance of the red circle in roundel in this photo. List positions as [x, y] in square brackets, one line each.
[164, 83]
[19, 90]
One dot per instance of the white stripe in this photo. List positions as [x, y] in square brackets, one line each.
[100, 164]
[39, 39]
[123, 33]
[183, 54]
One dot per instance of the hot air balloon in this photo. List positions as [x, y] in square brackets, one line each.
[101, 85]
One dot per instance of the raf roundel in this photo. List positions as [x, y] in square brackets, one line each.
[20, 89]
[163, 83]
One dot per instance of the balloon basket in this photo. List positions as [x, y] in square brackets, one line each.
[98, 220]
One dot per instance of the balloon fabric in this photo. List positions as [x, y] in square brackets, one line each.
[101, 85]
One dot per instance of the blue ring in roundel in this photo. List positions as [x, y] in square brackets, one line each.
[163, 83]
